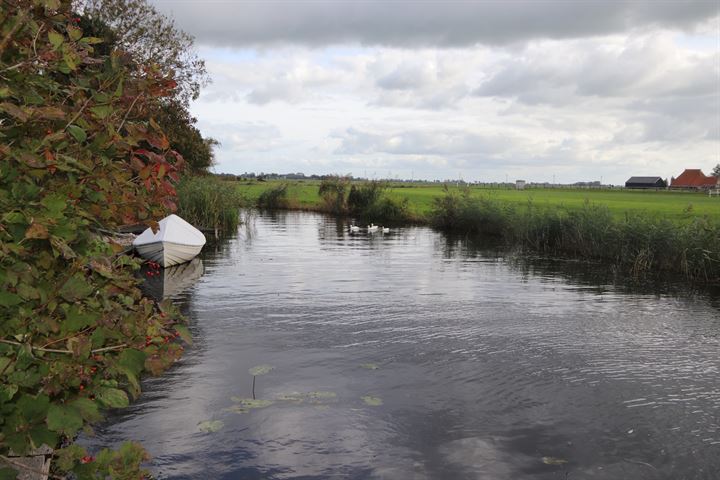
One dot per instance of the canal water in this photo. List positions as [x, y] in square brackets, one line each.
[408, 355]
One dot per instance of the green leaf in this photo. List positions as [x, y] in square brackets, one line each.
[7, 391]
[133, 360]
[91, 40]
[553, 461]
[51, 4]
[112, 397]
[260, 370]
[75, 33]
[8, 299]
[55, 39]
[87, 408]
[64, 419]
[75, 288]
[184, 333]
[102, 111]
[33, 408]
[40, 435]
[55, 203]
[77, 133]
[76, 320]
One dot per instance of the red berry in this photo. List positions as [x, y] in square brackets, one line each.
[82, 387]
[87, 459]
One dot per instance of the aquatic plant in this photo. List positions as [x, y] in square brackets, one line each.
[641, 245]
[210, 203]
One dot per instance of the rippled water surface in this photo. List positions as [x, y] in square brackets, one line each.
[407, 356]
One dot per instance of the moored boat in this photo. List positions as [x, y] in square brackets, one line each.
[176, 241]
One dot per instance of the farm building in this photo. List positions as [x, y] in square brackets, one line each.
[694, 178]
[645, 182]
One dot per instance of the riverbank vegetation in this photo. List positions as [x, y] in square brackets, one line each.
[639, 233]
[82, 153]
[639, 245]
[209, 203]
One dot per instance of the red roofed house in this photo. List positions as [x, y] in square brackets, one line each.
[695, 178]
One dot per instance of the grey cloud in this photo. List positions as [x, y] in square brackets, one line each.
[438, 23]
[647, 67]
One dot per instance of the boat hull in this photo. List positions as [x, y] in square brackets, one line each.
[167, 253]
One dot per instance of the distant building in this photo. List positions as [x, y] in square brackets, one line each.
[645, 182]
[694, 178]
[520, 184]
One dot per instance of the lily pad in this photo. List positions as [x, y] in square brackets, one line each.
[260, 370]
[236, 409]
[210, 426]
[372, 401]
[554, 461]
[370, 366]
[322, 395]
[293, 397]
[249, 403]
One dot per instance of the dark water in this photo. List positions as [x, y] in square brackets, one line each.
[478, 368]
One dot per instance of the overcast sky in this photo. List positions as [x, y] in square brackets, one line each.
[569, 90]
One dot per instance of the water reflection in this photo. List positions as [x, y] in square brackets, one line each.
[170, 282]
[485, 367]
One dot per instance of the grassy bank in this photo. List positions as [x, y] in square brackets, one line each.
[638, 232]
[209, 203]
[676, 206]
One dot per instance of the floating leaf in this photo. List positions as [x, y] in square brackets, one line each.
[370, 366]
[260, 370]
[553, 461]
[317, 397]
[372, 401]
[249, 403]
[210, 426]
[236, 409]
[294, 397]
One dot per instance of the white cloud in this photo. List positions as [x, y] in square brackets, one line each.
[642, 100]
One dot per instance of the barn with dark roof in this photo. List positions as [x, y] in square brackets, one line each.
[645, 182]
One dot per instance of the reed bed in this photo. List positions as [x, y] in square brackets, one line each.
[641, 245]
[210, 203]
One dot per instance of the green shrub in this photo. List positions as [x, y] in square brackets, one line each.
[276, 197]
[333, 190]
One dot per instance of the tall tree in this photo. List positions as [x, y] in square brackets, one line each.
[716, 170]
[152, 39]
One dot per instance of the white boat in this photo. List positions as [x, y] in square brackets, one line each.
[176, 241]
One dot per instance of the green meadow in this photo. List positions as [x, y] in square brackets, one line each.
[662, 204]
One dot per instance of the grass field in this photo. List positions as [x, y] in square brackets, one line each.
[664, 204]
